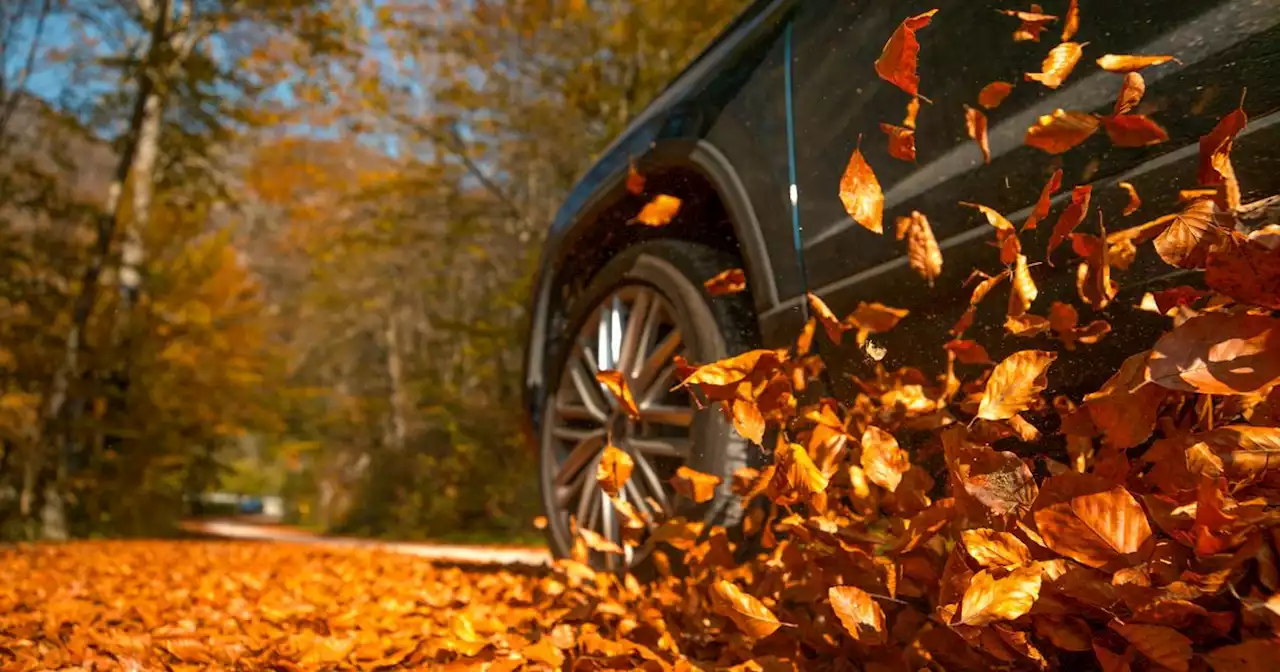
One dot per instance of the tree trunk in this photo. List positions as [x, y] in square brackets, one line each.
[395, 373]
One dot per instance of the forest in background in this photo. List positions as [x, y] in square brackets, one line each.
[285, 247]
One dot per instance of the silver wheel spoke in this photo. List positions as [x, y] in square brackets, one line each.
[658, 360]
[647, 333]
[636, 498]
[585, 509]
[570, 411]
[676, 416]
[651, 479]
[583, 453]
[662, 384]
[661, 447]
[565, 493]
[589, 389]
[631, 337]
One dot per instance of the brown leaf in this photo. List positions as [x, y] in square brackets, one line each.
[1033, 23]
[882, 460]
[1041, 209]
[733, 369]
[727, 282]
[1254, 655]
[995, 550]
[596, 542]
[874, 318]
[659, 211]
[747, 612]
[1057, 65]
[1006, 235]
[1131, 92]
[614, 469]
[988, 599]
[902, 141]
[1061, 130]
[1096, 528]
[1134, 202]
[861, 617]
[695, 485]
[635, 181]
[748, 420]
[1217, 353]
[993, 94]
[830, 323]
[860, 193]
[1072, 23]
[1026, 326]
[923, 253]
[1125, 63]
[1070, 218]
[1190, 235]
[897, 62]
[913, 109]
[1163, 645]
[798, 476]
[976, 125]
[1245, 270]
[1093, 276]
[1134, 130]
[1215, 155]
[616, 382]
[1014, 384]
[1125, 407]
[1024, 288]
[969, 352]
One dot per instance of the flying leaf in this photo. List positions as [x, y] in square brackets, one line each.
[1245, 270]
[1163, 645]
[726, 282]
[1072, 23]
[830, 323]
[897, 62]
[614, 469]
[874, 318]
[1217, 353]
[1026, 326]
[747, 612]
[1032, 23]
[1125, 407]
[1190, 235]
[1094, 528]
[1041, 209]
[969, 352]
[695, 485]
[1070, 218]
[616, 383]
[1134, 202]
[1057, 65]
[882, 460]
[797, 477]
[1215, 155]
[659, 211]
[860, 193]
[597, 542]
[902, 141]
[1131, 92]
[995, 550]
[1134, 130]
[988, 600]
[733, 369]
[1006, 235]
[913, 109]
[923, 253]
[976, 125]
[1014, 384]
[1246, 451]
[1024, 288]
[861, 617]
[993, 94]
[748, 420]
[1124, 63]
[635, 181]
[1057, 132]
[1093, 276]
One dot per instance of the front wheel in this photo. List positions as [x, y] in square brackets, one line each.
[644, 307]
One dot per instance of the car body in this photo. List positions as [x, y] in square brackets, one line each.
[756, 133]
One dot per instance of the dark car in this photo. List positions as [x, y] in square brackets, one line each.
[754, 137]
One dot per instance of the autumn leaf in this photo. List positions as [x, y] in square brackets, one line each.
[976, 126]
[874, 318]
[923, 254]
[1026, 326]
[1125, 407]
[596, 542]
[614, 469]
[747, 612]
[1246, 270]
[1063, 319]
[1134, 130]
[733, 369]
[1126, 63]
[1070, 218]
[727, 282]
[995, 550]
[1215, 155]
[695, 485]
[659, 211]
[882, 460]
[830, 323]
[969, 352]
[1093, 275]
[988, 599]
[1134, 202]
[1131, 92]
[861, 617]
[897, 62]
[1024, 288]
[1006, 235]
[1072, 23]
[1032, 23]
[1014, 383]
[993, 94]
[1057, 65]
[1041, 209]
[616, 383]
[1218, 353]
[913, 109]
[748, 420]
[1057, 132]
[635, 181]
[1254, 655]
[1163, 645]
[902, 141]
[797, 477]
[1096, 528]
[860, 193]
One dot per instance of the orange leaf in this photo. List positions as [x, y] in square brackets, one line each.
[1245, 270]
[1131, 92]
[797, 477]
[995, 550]
[882, 460]
[1124, 63]
[1026, 326]
[1134, 130]
[1163, 645]
[748, 613]
[727, 282]
[1070, 218]
[748, 420]
[913, 109]
[969, 352]
[1042, 204]
[1033, 23]
[1215, 155]
[1093, 276]
[1217, 353]
[993, 94]
[1057, 132]
[988, 600]
[734, 369]
[1014, 384]
[902, 141]
[1254, 655]
[1072, 22]
[635, 181]
[1006, 235]
[596, 542]
[1125, 407]
[923, 253]
[976, 125]
[897, 62]
[1024, 288]
[695, 485]
[874, 318]
[861, 617]
[830, 323]
[659, 211]
[1096, 528]
[614, 469]
[860, 193]
[1190, 235]
[616, 382]
[1057, 65]
[1134, 202]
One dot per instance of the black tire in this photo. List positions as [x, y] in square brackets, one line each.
[716, 327]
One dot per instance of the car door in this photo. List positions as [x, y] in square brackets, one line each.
[1224, 46]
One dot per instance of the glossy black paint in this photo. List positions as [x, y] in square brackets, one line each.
[717, 137]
